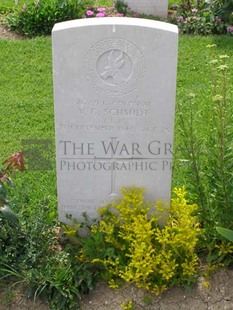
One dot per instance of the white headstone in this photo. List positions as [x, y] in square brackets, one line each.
[150, 7]
[114, 89]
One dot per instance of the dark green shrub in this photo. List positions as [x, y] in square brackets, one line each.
[224, 8]
[204, 17]
[203, 20]
[121, 6]
[32, 253]
[39, 17]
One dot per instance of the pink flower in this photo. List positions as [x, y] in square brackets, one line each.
[175, 6]
[102, 14]
[89, 13]
[4, 177]
[194, 11]
[180, 19]
[24, 8]
[120, 15]
[230, 29]
[101, 10]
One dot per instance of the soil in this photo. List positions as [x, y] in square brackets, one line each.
[6, 34]
[219, 296]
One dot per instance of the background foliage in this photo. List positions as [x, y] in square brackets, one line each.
[32, 250]
[193, 17]
[39, 17]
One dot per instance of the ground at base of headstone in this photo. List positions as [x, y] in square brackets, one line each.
[218, 296]
[6, 34]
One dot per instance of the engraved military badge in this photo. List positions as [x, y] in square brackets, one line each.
[114, 66]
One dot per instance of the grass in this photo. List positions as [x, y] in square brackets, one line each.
[194, 76]
[7, 5]
[26, 99]
[26, 103]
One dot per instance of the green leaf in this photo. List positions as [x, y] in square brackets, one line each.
[3, 191]
[9, 214]
[227, 233]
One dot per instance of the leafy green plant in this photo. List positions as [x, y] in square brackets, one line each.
[186, 5]
[223, 8]
[121, 6]
[31, 252]
[227, 233]
[8, 218]
[15, 162]
[147, 299]
[39, 17]
[200, 21]
[33, 255]
[57, 280]
[128, 243]
[209, 156]
[204, 17]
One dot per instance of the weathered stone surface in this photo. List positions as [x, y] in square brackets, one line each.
[114, 89]
[150, 7]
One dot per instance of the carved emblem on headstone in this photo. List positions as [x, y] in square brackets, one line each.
[113, 69]
[114, 66]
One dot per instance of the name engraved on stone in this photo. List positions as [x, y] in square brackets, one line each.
[121, 109]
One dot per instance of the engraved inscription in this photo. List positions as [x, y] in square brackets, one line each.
[112, 128]
[114, 66]
[114, 156]
[112, 111]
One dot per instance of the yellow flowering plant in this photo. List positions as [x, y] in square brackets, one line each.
[130, 244]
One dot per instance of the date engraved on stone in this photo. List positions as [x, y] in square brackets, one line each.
[114, 66]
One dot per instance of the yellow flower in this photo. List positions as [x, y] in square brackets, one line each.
[127, 305]
[143, 252]
[224, 56]
[211, 45]
[222, 67]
